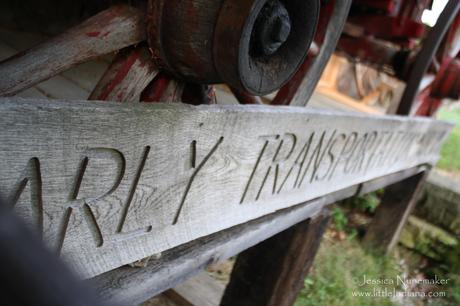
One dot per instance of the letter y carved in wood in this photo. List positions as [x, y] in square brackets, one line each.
[196, 169]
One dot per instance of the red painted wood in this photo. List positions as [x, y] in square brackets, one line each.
[128, 75]
[106, 32]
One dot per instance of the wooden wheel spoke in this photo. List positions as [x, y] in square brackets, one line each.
[111, 30]
[163, 89]
[127, 77]
[245, 97]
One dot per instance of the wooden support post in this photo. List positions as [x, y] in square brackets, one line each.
[391, 215]
[272, 273]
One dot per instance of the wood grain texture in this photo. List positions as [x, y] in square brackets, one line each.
[273, 272]
[109, 31]
[57, 87]
[132, 286]
[127, 77]
[107, 184]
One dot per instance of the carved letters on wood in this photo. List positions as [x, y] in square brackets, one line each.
[106, 184]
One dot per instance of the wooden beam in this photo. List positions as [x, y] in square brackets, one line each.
[108, 31]
[391, 215]
[132, 286]
[119, 182]
[272, 273]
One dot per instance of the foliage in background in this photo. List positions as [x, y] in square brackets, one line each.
[341, 261]
[450, 154]
[367, 203]
[352, 215]
[339, 219]
[338, 272]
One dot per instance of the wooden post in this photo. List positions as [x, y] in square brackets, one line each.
[391, 215]
[272, 273]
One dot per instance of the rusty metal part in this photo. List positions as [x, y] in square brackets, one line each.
[255, 46]
[426, 55]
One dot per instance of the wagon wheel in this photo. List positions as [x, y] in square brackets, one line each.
[254, 46]
[298, 91]
[265, 55]
[434, 73]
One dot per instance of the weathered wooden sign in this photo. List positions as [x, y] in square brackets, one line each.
[107, 184]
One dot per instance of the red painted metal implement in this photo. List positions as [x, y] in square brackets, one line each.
[385, 33]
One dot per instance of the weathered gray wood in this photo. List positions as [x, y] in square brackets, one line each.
[109, 31]
[107, 184]
[133, 285]
[75, 83]
[390, 179]
[273, 272]
[84, 75]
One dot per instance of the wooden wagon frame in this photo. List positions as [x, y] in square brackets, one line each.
[108, 183]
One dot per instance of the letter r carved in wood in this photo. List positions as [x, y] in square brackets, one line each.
[87, 193]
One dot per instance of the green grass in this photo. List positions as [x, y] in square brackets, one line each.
[338, 271]
[341, 264]
[450, 154]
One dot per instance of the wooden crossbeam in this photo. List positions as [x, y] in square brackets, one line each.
[131, 286]
[107, 184]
